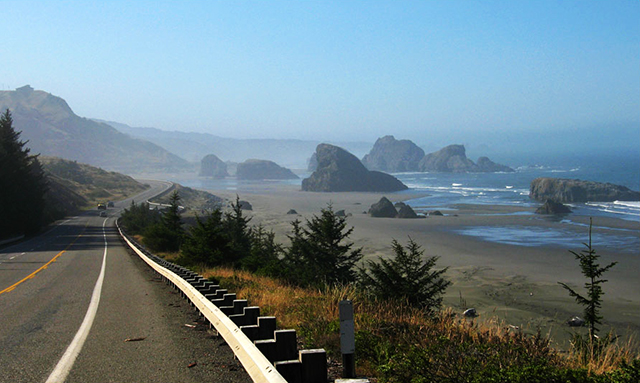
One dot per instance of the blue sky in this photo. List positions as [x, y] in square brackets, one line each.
[343, 70]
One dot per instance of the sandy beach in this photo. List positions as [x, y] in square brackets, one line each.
[513, 284]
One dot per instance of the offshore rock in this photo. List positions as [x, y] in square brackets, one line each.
[212, 166]
[394, 156]
[568, 190]
[453, 159]
[263, 170]
[340, 171]
[552, 207]
[383, 209]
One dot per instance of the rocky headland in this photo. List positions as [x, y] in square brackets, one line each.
[263, 170]
[339, 170]
[568, 190]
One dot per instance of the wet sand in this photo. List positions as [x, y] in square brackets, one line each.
[514, 284]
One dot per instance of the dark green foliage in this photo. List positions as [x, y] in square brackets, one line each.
[168, 234]
[22, 184]
[265, 255]
[207, 242]
[137, 218]
[236, 226]
[593, 272]
[318, 254]
[162, 231]
[407, 276]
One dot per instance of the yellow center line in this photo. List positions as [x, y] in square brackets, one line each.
[12, 287]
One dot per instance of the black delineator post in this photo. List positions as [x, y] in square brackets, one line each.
[347, 340]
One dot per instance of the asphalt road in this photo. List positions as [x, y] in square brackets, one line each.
[141, 330]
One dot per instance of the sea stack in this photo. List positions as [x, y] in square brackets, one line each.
[340, 171]
[394, 156]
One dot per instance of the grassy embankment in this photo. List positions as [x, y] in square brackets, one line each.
[75, 186]
[397, 343]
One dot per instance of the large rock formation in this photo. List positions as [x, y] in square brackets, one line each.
[263, 170]
[391, 155]
[339, 170]
[212, 166]
[53, 129]
[566, 191]
[453, 159]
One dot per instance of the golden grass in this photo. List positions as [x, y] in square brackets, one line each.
[382, 325]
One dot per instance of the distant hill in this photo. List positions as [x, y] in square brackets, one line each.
[91, 183]
[52, 129]
[289, 153]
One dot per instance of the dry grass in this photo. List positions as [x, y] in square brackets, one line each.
[395, 335]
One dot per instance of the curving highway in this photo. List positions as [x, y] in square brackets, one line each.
[76, 306]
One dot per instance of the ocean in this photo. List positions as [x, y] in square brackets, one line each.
[444, 191]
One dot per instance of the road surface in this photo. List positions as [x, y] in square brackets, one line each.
[76, 306]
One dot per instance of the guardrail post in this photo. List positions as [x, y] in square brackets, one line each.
[286, 344]
[314, 365]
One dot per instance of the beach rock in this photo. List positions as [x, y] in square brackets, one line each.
[263, 170]
[569, 190]
[341, 213]
[485, 165]
[399, 205]
[339, 171]
[435, 213]
[552, 207]
[212, 166]
[407, 212]
[292, 211]
[576, 322]
[245, 205]
[383, 209]
[470, 313]
[391, 155]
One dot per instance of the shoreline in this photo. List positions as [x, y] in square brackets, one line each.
[514, 284]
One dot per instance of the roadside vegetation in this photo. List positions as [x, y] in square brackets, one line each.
[403, 334]
[37, 190]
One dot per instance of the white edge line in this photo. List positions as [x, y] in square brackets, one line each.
[257, 365]
[63, 367]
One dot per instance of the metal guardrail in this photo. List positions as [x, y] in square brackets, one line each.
[255, 363]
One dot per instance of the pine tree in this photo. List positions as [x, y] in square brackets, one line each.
[168, 234]
[22, 183]
[239, 234]
[406, 276]
[319, 253]
[593, 300]
[207, 242]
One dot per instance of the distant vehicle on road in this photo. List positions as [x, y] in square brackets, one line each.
[110, 204]
[102, 206]
[103, 213]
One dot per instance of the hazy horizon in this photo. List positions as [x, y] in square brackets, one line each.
[495, 74]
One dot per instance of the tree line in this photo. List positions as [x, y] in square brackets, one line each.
[319, 254]
[23, 184]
